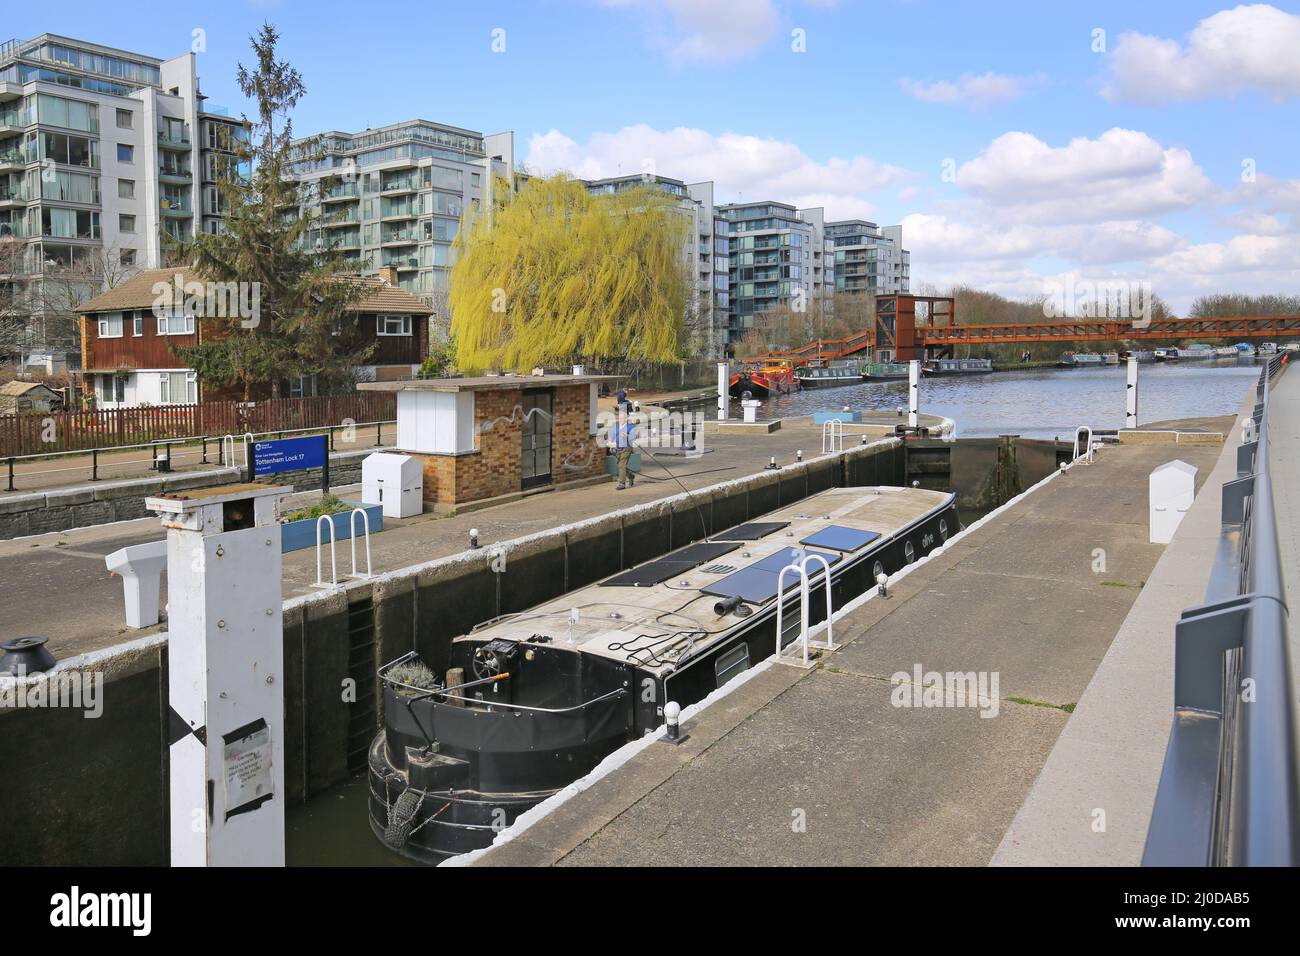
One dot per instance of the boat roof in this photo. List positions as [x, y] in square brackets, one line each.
[669, 615]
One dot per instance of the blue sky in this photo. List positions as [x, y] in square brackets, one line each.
[1015, 143]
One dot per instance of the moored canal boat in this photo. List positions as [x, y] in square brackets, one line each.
[828, 375]
[954, 366]
[884, 371]
[532, 701]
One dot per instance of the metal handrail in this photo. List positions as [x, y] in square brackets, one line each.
[1229, 792]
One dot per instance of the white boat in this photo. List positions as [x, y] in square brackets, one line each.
[1110, 358]
[1267, 348]
[1167, 355]
[1226, 351]
[1198, 351]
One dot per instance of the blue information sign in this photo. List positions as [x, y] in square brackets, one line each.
[289, 454]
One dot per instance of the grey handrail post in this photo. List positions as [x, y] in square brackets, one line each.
[1229, 791]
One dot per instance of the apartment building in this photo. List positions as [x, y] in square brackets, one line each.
[392, 198]
[103, 153]
[704, 258]
[869, 258]
[777, 256]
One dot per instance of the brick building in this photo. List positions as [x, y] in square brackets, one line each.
[129, 340]
[498, 435]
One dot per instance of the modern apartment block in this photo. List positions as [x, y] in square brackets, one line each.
[778, 256]
[392, 197]
[103, 152]
[704, 256]
[869, 258]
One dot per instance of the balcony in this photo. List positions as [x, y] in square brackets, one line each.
[404, 184]
[12, 196]
[176, 208]
[403, 211]
[341, 193]
[12, 158]
[400, 237]
[336, 222]
[171, 174]
[174, 139]
[404, 262]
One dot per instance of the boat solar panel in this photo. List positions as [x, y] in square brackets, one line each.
[702, 551]
[648, 575]
[782, 558]
[670, 565]
[839, 538]
[751, 531]
[757, 583]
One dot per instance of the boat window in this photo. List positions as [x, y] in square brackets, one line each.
[877, 570]
[943, 529]
[731, 663]
[909, 552]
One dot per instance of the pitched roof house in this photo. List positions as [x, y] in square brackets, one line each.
[129, 332]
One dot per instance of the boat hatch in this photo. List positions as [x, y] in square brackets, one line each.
[756, 584]
[839, 538]
[670, 565]
[751, 531]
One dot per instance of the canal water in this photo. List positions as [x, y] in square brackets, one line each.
[1043, 403]
[332, 829]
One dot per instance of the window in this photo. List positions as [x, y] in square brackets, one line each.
[124, 118]
[177, 388]
[110, 326]
[126, 223]
[175, 324]
[137, 322]
[392, 325]
[125, 153]
[126, 257]
[126, 189]
[302, 386]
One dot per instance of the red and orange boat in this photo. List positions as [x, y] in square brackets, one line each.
[763, 380]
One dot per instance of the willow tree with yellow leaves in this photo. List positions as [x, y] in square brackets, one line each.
[559, 276]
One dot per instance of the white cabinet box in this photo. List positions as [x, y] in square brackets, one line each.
[396, 482]
[1173, 487]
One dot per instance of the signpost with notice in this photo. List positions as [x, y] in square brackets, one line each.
[292, 454]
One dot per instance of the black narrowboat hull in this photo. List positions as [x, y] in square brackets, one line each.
[445, 779]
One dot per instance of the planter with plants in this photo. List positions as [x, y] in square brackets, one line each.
[298, 528]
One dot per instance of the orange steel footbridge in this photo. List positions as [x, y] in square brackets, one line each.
[917, 327]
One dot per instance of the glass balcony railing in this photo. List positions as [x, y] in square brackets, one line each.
[341, 191]
[402, 184]
[11, 157]
[400, 236]
[175, 207]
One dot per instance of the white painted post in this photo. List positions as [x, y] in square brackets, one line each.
[1172, 489]
[225, 677]
[724, 391]
[1131, 417]
[913, 393]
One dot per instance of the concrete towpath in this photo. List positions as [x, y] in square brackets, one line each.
[821, 767]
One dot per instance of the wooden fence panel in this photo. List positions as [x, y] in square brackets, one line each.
[49, 432]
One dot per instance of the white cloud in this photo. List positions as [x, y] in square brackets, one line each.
[1250, 47]
[706, 30]
[1121, 174]
[987, 89]
[742, 167]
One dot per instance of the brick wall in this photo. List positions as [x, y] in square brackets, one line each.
[493, 468]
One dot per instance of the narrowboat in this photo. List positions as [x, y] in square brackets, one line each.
[884, 371]
[1167, 355]
[1110, 358]
[953, 366]
[1226, 351]
[1199, 350]
[1080, 359]
[826, 376]
[532, 701]
[1142, 355]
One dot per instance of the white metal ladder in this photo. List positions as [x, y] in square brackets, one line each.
[1087, 451]
[334, 568]
[352, 533]
[832, 435]
[800, 567]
